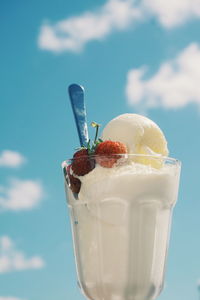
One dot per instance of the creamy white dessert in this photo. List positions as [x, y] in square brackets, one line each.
[140, 134]
[121, 218]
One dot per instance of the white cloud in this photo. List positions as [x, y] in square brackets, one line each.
[11, 159]
[73, 33]
[20, 195]
[13, 260]
[172, 13]
[9, 298]
[175, 85]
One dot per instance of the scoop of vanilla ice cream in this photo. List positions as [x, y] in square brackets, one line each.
[140, 134]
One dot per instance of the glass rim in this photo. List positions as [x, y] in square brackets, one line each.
[175, 161]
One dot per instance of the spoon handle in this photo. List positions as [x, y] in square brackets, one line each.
[76, 95]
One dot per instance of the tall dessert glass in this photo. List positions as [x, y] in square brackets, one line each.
[120, 222]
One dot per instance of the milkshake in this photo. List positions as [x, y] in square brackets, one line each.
[121, 196]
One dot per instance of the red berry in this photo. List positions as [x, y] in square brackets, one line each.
[107, 153]
[74, 183]
[68, 169]
[82, 162]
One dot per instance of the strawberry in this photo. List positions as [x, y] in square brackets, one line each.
[107, 153]
[82, 163]
[74, 183]
[68, 170]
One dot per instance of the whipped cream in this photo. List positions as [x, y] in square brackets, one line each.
[130, 181]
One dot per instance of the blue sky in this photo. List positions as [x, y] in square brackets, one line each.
[131, 56]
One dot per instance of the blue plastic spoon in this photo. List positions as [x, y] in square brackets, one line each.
[76, 95]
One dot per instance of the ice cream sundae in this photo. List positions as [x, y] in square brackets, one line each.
[121, 190]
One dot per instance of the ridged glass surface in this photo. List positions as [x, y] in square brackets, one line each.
[120, 244]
